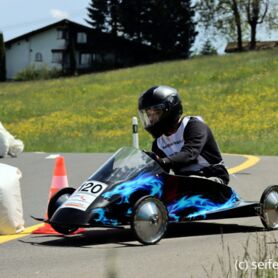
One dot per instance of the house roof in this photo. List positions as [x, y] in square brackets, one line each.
[99, 34]
[232, 46]
[47, 27]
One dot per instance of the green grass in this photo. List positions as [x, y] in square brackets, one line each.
[237, 95]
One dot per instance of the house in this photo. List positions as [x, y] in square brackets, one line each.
[74, 48]
[260, 45]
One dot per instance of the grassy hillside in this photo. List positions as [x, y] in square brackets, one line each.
[236, 94]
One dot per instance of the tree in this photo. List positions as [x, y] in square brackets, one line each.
[235, 7]
[256, 11]
[165, 25]
[2, 59]
[133, 17]
[234, 16]
[104, 16]
[208, 49]
[98, 13]
[114, 16]
[185, 26]
[171, 27]
[223, 15]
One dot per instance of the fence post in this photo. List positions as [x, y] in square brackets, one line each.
[135, 137]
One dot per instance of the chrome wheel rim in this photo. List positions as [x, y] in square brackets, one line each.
[150, 221]
[270, 209]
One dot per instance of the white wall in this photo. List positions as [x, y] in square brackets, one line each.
[22, 53]
[17, 57]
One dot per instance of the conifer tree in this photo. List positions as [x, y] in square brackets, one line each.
[163, 24]
[171, 27]
[113, 17]
[98, 14]
[131, 19]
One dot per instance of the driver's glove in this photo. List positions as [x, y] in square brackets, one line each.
[164, 162]
[152, 155]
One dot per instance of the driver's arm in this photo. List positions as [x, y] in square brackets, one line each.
[195, 136]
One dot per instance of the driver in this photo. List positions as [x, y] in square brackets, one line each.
[184, 144]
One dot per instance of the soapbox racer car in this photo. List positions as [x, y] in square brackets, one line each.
[132, 189]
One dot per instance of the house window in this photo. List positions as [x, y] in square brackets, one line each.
[38, 57]
[62, 34]
[81, 37]
[85, 59]
[57, 57]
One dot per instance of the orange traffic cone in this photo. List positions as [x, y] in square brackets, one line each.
[59, 181]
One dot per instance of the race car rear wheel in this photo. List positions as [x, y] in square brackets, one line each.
[150, 220]
[55, 202]
[269, 207]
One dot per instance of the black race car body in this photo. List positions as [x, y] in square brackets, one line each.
[132, 188]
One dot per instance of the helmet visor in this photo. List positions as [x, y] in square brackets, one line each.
[150, 116]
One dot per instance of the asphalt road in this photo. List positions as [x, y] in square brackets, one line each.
[188, 250]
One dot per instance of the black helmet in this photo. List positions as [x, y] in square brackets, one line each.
[159, 109]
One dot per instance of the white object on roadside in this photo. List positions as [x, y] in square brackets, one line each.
[135, 137]
[11, 211]
[53, 156]
[9, 145]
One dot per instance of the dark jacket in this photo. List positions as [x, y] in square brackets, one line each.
[192, 150]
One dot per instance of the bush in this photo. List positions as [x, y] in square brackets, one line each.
[37, 73]
[208, 49]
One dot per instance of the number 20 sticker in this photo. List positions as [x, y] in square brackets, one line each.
[92, 187]
[85, 195]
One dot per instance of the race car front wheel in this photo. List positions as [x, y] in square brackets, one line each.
[269, 207]
[63, 229]
[55, 202]
[58, 199]
[150, 220]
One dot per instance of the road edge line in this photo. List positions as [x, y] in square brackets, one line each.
[26, 232]
[250, 162]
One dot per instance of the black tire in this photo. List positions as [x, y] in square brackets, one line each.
[55, 202]
[269, 207]
[58, 199]
[149, 220]
[65, 230]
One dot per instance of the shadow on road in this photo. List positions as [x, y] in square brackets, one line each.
[206, 228]
[125, 237]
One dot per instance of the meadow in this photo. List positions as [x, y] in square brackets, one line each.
[236, 94]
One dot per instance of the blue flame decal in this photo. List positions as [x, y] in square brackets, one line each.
[100, 217]
[145, 181]
[198, 203]
[129, 212]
